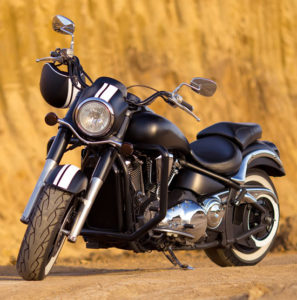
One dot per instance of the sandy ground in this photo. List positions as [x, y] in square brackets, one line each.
[150, 276]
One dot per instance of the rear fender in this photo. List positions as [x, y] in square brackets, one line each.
[265, 158]
[68, 178]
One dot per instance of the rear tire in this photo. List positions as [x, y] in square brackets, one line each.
[242, 256]
[43, 239]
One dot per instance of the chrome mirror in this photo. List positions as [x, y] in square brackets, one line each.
[203, 86]
[63, 25]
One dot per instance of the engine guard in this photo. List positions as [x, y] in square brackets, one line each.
[68, 178]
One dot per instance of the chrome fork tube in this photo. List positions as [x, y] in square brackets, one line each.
[53, 158]
[99, 175]
[85, 208]
[49, 165]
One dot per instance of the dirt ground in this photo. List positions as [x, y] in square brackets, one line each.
[121, 275]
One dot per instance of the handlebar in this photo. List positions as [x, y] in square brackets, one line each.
[59, 55]
[75, 70]
[173, 99]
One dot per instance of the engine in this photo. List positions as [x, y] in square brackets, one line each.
[190, 219]
[187, 220]
[145, 177]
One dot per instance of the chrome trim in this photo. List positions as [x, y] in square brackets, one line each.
[197, 89]
[239, 177]
[221, 196]
[256, 191]
[183, 214]
[174, 233]
[85, 208]
[52, 59]
[63, 25]
[214, 212]
[108, 141]
[49, 165]
[106, 104]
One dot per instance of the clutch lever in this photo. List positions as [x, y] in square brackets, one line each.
[52, 59]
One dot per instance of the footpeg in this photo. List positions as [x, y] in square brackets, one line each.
[175, 261]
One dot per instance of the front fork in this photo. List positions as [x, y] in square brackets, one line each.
[98, 177]
[53, 159]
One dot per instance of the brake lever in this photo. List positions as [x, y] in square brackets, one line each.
[177, 99]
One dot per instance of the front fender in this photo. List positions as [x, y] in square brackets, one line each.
[263, 158]
[68, 178]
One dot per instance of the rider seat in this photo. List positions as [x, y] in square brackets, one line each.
[219, 147]
[243, 134]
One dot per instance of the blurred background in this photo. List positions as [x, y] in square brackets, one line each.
[248, 47]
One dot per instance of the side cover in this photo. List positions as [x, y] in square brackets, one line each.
[68, 178]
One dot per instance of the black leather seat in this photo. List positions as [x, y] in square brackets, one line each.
[243, 134]
[217, 154]
[219, 147]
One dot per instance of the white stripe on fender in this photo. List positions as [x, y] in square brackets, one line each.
[100, 90]
[60, 174]
[68, 176]
[109, 92]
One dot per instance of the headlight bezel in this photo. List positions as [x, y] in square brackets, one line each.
[96, 100]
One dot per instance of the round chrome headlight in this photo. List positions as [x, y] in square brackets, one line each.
[94, 117]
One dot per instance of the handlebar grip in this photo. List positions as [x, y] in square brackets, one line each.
[187, 105]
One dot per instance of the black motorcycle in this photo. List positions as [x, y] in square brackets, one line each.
[141, 185]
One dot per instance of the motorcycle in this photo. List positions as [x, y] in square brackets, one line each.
[141, 185]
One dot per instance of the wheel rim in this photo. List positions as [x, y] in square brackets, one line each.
[58, 245]
[53, 259]
[262, 242]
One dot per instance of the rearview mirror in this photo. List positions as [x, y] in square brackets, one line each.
[203, 86]
[63, 25]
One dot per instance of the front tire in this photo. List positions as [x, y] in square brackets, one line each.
[238, 255]
[44, 239]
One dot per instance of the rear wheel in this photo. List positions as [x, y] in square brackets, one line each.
[44, 237]
[243, 255]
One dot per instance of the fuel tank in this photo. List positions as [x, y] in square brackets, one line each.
[149, 128]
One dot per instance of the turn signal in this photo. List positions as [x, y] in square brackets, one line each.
[51, 119]
[126, 149]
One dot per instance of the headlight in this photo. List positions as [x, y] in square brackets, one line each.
[94, 117]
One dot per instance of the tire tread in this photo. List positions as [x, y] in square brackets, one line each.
[43, 226]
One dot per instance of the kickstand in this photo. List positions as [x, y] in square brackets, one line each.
[174, 260]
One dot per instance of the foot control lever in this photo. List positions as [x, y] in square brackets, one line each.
[174, 260]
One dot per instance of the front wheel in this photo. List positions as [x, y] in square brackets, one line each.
[240, 255]
[44, 237]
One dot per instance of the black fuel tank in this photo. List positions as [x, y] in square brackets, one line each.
[149, 128]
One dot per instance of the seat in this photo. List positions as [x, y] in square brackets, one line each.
[243, 134]
[217, 153]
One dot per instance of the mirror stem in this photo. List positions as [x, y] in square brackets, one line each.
[196, 88]
[72, 42]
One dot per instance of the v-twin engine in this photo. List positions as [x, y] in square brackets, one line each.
[190, 219]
